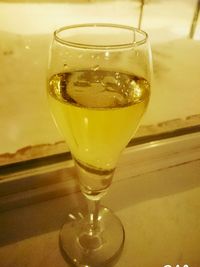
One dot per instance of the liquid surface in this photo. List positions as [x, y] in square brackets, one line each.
[97, 112]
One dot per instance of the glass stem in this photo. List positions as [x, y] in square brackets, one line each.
[93, 213]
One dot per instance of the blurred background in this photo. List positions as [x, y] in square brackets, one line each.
[26, 27]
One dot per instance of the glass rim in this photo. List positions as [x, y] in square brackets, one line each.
[91, 46]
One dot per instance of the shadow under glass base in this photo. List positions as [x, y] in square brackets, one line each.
[83, 248]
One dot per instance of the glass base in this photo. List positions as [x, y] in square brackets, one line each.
[84, 247]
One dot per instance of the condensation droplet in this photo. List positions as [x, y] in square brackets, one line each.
[95, 68]
[107, 53]
[72, 216]
[65, 66]
[137, 53]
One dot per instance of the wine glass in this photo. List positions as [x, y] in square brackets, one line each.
[98, 89]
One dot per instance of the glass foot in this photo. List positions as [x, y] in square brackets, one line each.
[84, 247]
